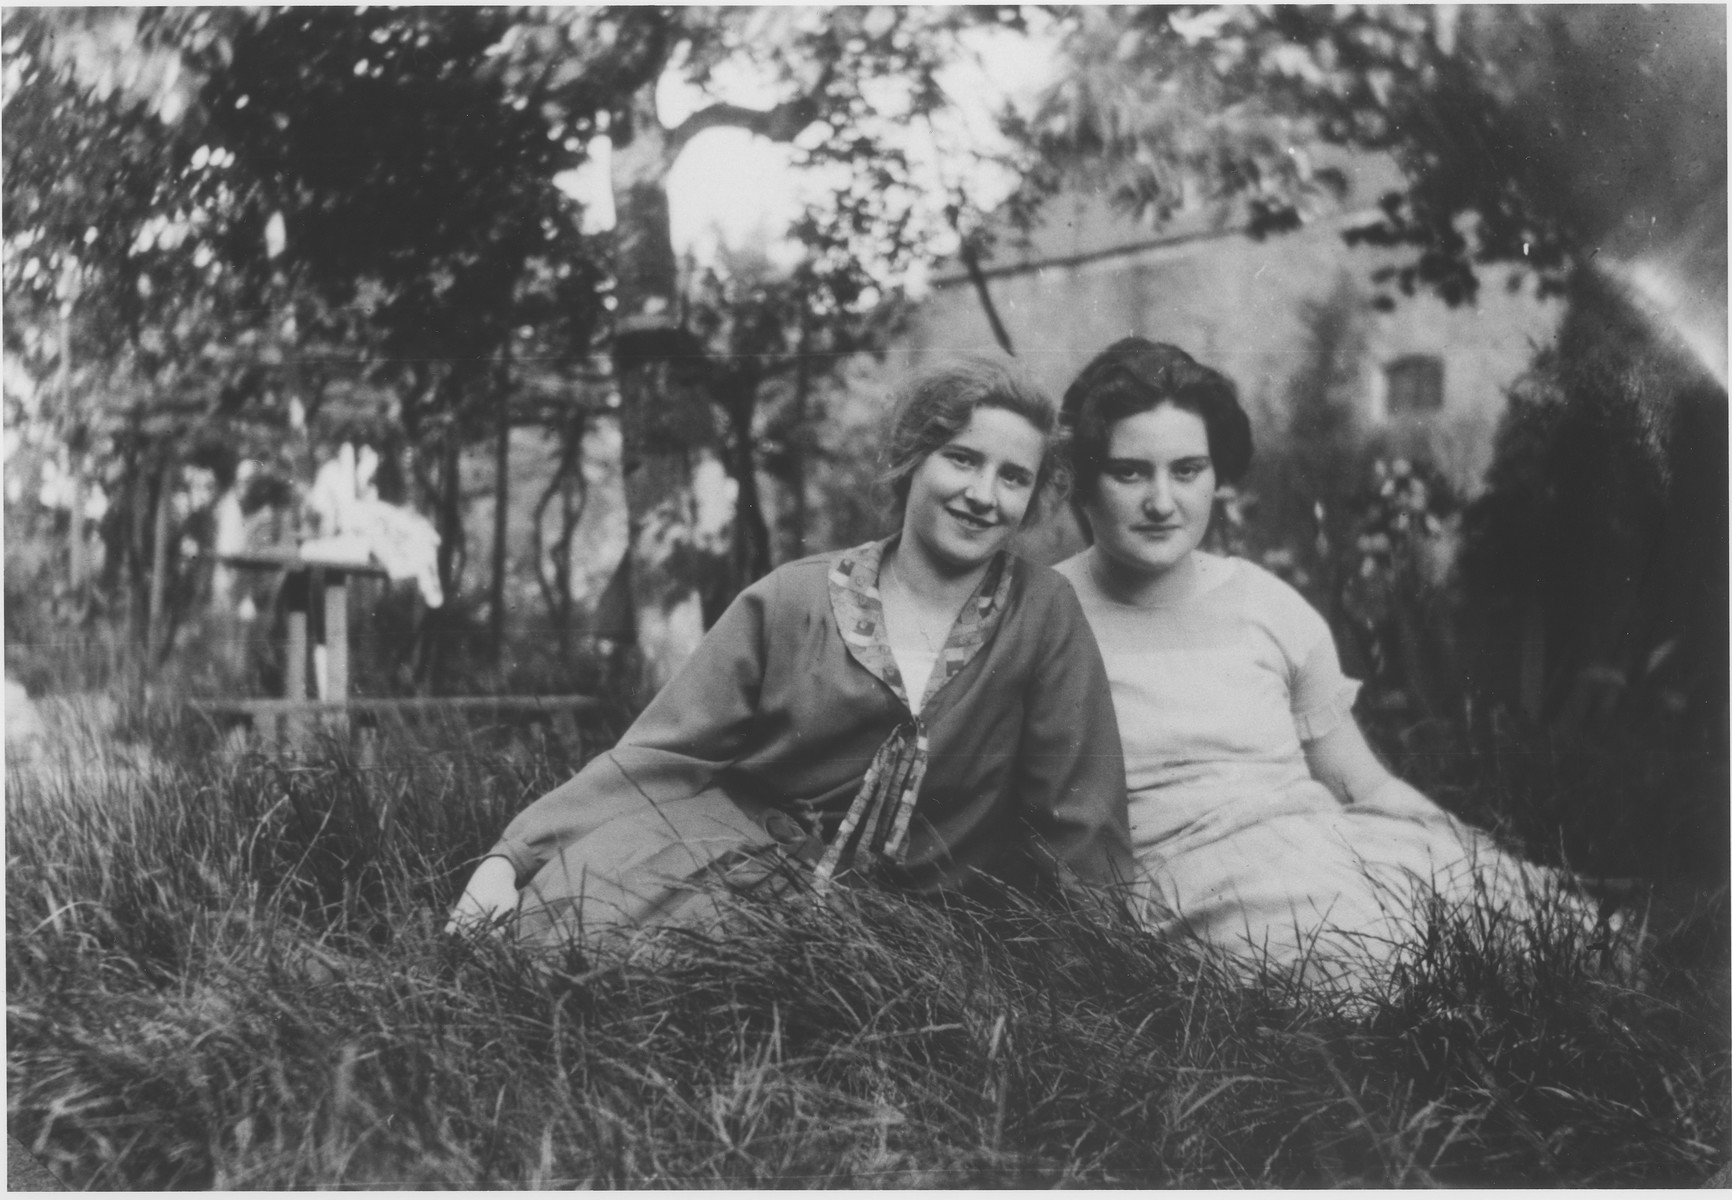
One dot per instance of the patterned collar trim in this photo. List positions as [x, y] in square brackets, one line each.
[859, 613]
[877, 823]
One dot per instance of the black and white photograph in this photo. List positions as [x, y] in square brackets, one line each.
[840, 597]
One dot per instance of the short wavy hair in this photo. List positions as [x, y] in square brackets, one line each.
[1135, 375]
[934, 406]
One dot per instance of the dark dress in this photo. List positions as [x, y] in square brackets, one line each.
[765, 737]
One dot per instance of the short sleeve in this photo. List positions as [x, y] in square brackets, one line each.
[1320, 694]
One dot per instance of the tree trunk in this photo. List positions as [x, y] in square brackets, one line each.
[501, 513]
[450, 503]
[77, 568]
[797, 463]
[663, 419]
[751, 542]
[570, 512]
[76, 563]
[435, 628]
[553, 562]
[138, 609]
[156, 630]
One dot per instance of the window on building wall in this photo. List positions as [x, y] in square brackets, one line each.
[1414, 384]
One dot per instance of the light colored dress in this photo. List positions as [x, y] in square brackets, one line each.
[1239, 846]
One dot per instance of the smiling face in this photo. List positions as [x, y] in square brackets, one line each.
[1151, 507]
[968, 496]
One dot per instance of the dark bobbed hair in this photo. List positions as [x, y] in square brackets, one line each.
[1134, 375]
[934, 406]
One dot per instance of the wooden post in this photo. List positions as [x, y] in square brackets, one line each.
[318, 679]
[295, 667]
[367, 756]
[337, 642]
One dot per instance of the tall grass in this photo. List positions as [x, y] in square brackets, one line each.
[229, 971]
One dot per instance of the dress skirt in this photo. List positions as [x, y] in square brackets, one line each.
[1298, 884]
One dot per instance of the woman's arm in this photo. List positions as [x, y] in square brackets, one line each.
[1342, 761]
[693, 728]
[1335, 747]
[1070, 767]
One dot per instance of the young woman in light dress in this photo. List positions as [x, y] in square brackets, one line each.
[1263, 824]
[928, 709]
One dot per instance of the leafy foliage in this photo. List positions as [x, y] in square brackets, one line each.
[412, 187]
[340, 227]
[120, 219]
[279, 225]
[1154, 113]
[1527, 134]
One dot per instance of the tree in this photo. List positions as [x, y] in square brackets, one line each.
[844, 80]
[770, 338]
[421, 211]
[115, 285]
[321, 197]
[1533, 135]
[387, 198]
[1304, 481]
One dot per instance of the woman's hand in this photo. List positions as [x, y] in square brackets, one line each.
[490, 896]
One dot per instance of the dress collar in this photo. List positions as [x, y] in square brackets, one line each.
[859, 611]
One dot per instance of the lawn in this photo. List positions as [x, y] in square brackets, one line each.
[229, 971]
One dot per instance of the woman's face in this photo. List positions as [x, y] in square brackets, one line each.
[968, 496]
[1156, 491]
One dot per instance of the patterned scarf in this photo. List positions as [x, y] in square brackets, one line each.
[877, 822]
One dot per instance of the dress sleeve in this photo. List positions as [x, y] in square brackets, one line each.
[693, 729]
[1070, 768]
[1322, 696]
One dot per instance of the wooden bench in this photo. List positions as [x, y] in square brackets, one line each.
[288, 720]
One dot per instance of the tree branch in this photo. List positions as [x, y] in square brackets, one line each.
[976, 276]
[782, 123]
[779, 124]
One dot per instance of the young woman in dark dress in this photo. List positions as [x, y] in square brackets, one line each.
[929, 709]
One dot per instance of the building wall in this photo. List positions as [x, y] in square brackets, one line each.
[1239, 305]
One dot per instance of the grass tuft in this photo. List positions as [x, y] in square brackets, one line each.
[227, 971]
